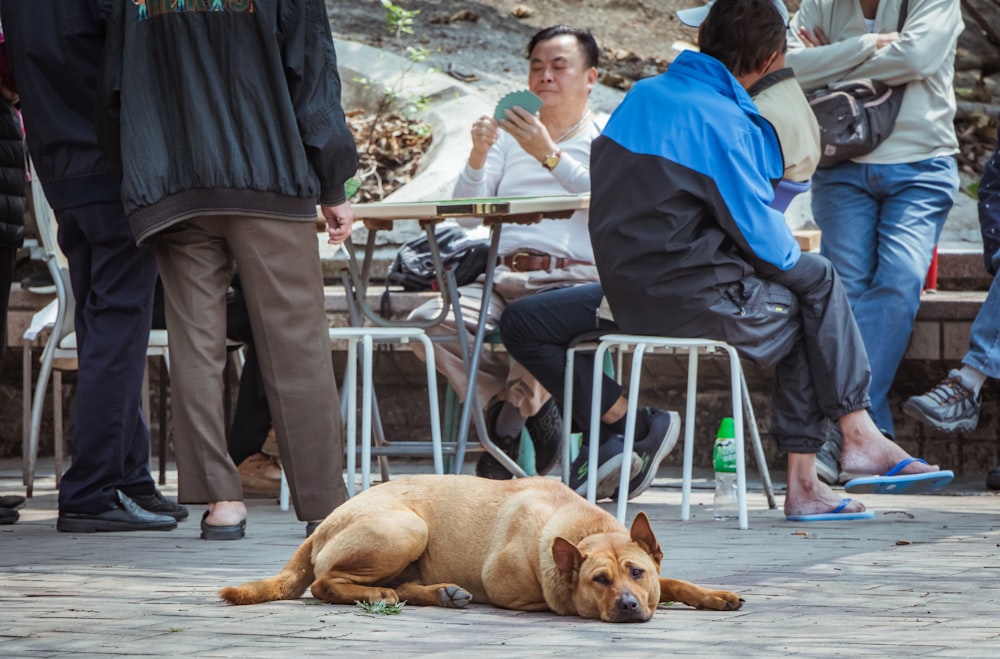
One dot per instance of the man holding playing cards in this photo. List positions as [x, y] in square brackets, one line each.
[524, 154]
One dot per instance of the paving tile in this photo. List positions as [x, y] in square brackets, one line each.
[919, 580]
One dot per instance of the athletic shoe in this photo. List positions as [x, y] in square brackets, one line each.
[487, 466]
[664, 429]
[545, 428]
[949, 407]
[609, 467]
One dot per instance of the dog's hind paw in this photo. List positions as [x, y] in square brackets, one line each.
[453, 597]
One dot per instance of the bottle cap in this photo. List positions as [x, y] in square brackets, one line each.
[726, 428]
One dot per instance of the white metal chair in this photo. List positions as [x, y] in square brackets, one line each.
[60, 351]
[741, 405]
[368, 337]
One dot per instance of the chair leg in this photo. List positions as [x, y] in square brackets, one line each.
[689, 421]
[163, 420]
[26, 405]
[432, 402]
[57, 424]
[630, 416]
[351, 405]
[366, 411]
[736, 386]
[595, 421]
[758, 447]
[567, 413]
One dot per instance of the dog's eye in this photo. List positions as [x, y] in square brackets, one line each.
[602, 579]
[637, 572]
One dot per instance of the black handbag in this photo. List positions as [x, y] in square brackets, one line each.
[413, 268]
[855, 116]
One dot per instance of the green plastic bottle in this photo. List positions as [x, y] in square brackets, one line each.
[724, 505]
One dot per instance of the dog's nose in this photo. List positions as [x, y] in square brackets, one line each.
[629, 608]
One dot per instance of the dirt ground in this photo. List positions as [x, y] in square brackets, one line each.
[485, 39]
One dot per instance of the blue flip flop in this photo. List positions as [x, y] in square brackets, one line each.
[895, 483]
[834, 514]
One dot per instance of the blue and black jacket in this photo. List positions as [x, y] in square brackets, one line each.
[681, 181]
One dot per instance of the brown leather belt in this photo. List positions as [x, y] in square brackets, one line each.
[530, 261]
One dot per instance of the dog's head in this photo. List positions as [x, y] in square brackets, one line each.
[613, 576]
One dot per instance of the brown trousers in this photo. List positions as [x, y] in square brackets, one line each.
[280, 270]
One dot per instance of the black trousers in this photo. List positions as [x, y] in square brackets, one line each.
[112, 281]
[800, 322]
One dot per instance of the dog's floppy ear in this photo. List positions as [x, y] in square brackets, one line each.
[567, 558]
[643, 536]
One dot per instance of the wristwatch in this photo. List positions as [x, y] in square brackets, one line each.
[552, 160]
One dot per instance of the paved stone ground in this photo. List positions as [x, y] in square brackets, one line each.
[922, 579]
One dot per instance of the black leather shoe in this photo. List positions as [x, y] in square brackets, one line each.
[8, 515]
[160, 505]
[12, 502]
[128, 516]
[993, 479]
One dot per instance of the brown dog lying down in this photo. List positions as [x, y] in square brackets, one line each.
[529, 544]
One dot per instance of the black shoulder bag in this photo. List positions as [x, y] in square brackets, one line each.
[855, 116]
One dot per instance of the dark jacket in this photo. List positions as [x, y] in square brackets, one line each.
[55, 49]
[681, 181]
[229, 108]
[989, 209]
[12, 181]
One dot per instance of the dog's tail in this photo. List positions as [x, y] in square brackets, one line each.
[288, 584]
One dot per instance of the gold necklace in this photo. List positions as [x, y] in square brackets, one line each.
[574, 127]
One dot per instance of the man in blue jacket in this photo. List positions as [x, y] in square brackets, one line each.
[686, 245]
[55, 48]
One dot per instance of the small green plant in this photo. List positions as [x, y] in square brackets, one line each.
[399, 21]
[381, 607]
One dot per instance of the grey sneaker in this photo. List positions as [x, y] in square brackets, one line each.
[828, 459]
[664, 429]
[949, 407]
[609, 467]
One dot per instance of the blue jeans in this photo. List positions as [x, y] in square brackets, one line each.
[984, 337]
[880, 224]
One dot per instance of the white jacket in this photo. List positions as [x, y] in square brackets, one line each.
[923, 58]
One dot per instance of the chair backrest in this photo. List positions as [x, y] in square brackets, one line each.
[55, 260]
[785, 191]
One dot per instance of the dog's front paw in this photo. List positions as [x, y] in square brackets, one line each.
[720, 600]
[453, 597]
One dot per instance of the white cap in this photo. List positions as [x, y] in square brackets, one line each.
[695, 16]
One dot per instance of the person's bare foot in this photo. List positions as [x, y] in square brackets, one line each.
[868, 452]
[807, 495]
[226, 513]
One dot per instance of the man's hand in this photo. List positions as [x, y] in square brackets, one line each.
[816, 37]
[886, 39]
[339, 219]
[485, 131]
[529, 131]
[813, 38]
